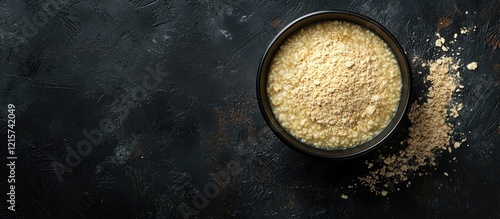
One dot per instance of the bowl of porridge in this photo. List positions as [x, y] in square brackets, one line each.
[334, 84]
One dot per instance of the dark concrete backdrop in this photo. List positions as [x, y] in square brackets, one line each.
[140, 109]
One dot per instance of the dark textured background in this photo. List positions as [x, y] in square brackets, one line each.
[164, 144]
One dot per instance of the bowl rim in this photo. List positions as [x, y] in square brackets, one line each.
[331, 15]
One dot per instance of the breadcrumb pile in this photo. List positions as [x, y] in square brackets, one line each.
[429, 133]
[431, 129]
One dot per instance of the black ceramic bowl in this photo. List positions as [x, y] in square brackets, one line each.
[311, 18]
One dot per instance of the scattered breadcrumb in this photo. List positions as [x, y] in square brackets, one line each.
[464, 30]
[432, 127]
[383, 193]
[440, 41]
[472, 66]
[429, 134]
[454, 110]
[344, 196]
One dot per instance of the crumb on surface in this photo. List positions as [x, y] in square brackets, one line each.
[464, 30]
[383, 193]
[440, 41]
[472, 66]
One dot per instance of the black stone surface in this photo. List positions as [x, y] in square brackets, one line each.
[171, 85]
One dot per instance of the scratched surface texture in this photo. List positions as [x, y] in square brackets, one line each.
[171, 87]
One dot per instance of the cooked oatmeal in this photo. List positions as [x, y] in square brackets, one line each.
[334, 85]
